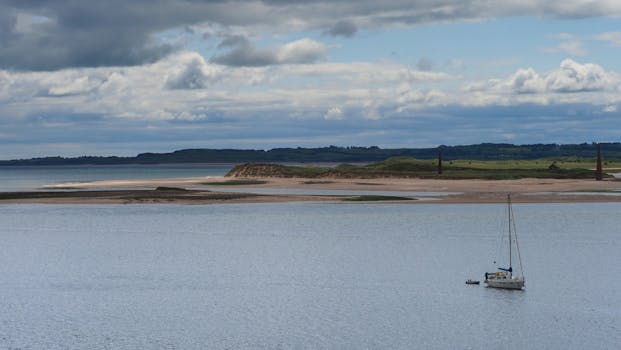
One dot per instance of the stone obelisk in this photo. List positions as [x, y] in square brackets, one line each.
[599, 174]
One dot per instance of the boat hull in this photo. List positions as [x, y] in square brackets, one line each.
[506, 284]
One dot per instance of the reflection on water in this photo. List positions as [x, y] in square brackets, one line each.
[305, 275]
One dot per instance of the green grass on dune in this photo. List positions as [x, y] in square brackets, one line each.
[546, 168]
[542, 163]
[493, 170]
[240, 182]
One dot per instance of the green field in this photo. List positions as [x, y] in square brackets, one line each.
[612, 165]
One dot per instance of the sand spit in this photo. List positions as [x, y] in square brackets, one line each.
[150, 196]
[207, 190]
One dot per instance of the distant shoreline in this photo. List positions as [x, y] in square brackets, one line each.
[215, 190]
[336, 154]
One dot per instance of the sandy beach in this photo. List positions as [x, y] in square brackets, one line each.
[206, 190]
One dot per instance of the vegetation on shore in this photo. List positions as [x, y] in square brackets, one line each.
[562, 168]
[483, 151]
[236, 182]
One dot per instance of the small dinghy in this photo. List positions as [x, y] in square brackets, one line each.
[472, 282]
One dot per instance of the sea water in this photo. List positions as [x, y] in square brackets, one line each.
[305, 276]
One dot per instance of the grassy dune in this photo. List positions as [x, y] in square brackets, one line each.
[241, 182]
[563, 168]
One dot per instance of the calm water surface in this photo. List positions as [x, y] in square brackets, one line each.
[305, 276]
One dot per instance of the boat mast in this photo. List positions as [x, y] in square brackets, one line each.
[509, 212]
[599, 174]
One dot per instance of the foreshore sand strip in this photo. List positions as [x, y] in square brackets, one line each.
[199, 191]
[388, 184]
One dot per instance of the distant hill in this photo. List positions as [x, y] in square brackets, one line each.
[484, 151]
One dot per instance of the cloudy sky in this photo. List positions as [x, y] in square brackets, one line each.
[121, 77]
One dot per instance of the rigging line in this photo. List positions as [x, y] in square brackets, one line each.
[517, 245]
[510, 214]
[499, 242]
[501, 238]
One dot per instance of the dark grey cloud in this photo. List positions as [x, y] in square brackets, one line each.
[74, 38]
[243, 53]
[233, 41]
[343, 28]
[424, 64]
[82, 33]
[8, 20]
[78, 33]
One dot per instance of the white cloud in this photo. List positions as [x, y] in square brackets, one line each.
[73, 85]
[571, 77]
[525, 81]
[334, 113]
[191, 72]
[509, 136]
[610, 109]
[186, 87]
[573, 48]
[455, 64]
[301, 51]
[562, 36]
[367, 72]
[575, 77]
[6, 80]
[371, 111]
[409, 98]
[612, 38]
[570, 44]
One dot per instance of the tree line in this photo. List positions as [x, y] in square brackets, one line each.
[353, 154]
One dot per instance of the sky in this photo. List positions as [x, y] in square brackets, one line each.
[121, 77]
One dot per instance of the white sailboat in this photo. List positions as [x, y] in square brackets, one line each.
[504, 278]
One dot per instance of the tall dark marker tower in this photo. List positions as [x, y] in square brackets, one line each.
[599, 174]
[439, 161]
